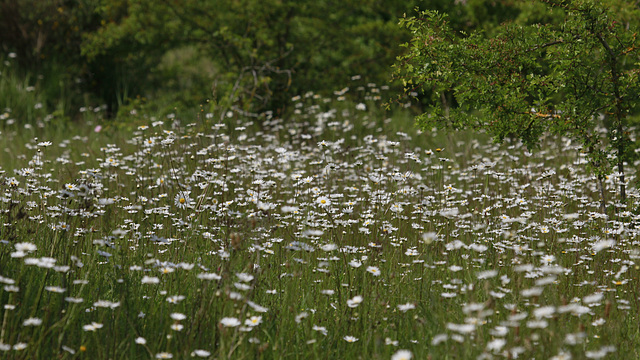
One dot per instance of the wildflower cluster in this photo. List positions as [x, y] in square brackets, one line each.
[226, 241]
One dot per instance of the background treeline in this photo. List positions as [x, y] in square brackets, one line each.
[252, 55]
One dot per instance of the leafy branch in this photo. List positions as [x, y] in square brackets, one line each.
[578, 76]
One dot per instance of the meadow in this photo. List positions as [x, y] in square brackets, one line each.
[341, 234]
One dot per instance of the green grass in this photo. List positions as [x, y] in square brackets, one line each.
[478, 250]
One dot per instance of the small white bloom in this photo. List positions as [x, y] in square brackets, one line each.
[373, 270]
[406, 307]
[182, 199]
[355, 263]
[396, 208]
[150, 280]
[352, 303]
[32, 322]
[545, 311]
[178, 316]
[593, 298]
[230, 322]
[201, 353]
[603, 244]
[548, 259]
[323, 201]
[209, 276]
[496, 344]
[26, 247]
[301, 316]
[411, 252]
[487, 274]
[253, 321]
[402, 355]
[350, 338]
[244, 277]
[329, 247]
[55, 289]
[92, 327]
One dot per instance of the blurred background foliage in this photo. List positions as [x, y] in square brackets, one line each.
[252, 56]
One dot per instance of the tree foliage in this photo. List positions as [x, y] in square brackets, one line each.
[263, 52]
[252, 54]
[45, 37]
[572, 76]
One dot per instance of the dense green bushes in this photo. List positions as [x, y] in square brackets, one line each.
[253, 55]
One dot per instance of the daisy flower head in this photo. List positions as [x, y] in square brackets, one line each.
[253, 321]
[562, 356]
[411, 252]
[402, 355]
[352, 303]
[323, 201]
[150, 280]
[178, 316]
[548, 259]
[496, 344]
[429, 237]
[200, 353]
[92, 327]
[55, 289]
[175, 299]
[406, 307]
[182, 199]
[374, 270]
[32, 321]
[396, 208]
[329, 247]
[350, 338]
[355, 263]
[26, 247]
[230, 322]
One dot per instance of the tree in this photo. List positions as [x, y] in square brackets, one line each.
[257, 53]
[569, 77]
[46, 38]
[264, 52]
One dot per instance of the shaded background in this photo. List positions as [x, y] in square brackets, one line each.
[249, 55]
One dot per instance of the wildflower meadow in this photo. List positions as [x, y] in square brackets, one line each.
[333, 236]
